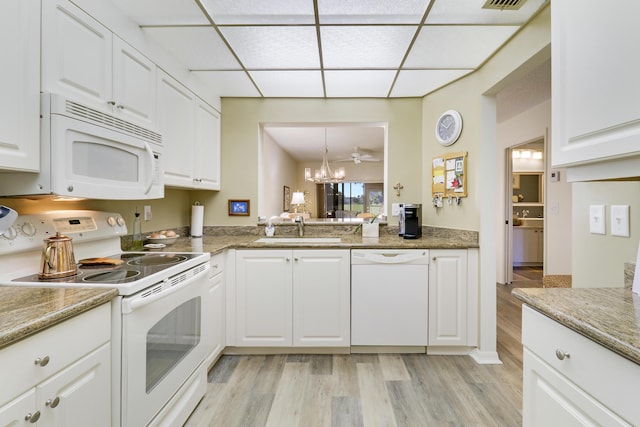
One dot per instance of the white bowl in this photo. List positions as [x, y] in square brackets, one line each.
[165, 241]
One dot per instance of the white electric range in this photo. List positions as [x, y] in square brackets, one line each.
[160, 321]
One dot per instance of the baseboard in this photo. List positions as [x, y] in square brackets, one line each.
[370, 349]
[485, 357]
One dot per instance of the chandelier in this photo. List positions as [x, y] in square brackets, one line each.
[324, 175]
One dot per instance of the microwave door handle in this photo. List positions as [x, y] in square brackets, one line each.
[150, 181]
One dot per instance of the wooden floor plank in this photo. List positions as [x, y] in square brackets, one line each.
[363, 390]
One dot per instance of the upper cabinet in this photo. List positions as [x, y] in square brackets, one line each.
[190, 130]
[83, 60]
[595, 89]
[19, 85]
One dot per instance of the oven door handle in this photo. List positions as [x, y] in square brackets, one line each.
[159, 291]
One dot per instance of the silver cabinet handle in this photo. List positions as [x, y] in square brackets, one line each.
[120, 107]
[53, 403]
[287, 259]
[111, 102]
[44, 361]
[296, 259]
[32, 418]
[561, 354]
[434, 258]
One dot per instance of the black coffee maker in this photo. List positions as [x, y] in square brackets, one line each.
[411, 215]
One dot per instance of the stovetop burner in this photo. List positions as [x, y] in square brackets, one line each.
[155, 260]
[114, 276]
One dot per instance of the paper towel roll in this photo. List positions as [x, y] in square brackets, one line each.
[197, 219]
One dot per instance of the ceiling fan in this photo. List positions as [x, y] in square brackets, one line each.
[360, 155]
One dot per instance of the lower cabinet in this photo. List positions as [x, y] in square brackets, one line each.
[453, 298]
[569, 380]
[61, 376]
[528, 244]
[290, 298]
[217, 299]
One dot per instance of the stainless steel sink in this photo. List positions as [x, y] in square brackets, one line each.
[298, 240]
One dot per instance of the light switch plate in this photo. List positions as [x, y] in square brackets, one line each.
[147, 213]
[596, 219]
[620, 220]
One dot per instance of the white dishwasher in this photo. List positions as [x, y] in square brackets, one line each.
[389, 297]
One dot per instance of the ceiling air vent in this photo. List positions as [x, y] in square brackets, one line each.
[504, 4]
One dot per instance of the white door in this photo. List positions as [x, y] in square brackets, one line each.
[448, 297]
[176, 118]
[321, 298]
[264, 298]
[76, 55]
[20, 411]
[80, 395]
[207, 159]
[134, 84]
[19, 85]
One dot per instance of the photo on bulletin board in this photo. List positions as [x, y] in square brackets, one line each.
[449, 175]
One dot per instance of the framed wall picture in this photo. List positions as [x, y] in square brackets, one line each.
[286, 199]
[239, 207]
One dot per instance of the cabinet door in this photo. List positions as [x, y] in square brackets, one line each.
[20, 411]
[80, 395]
[217, 298]
[19, 85]
[550, 399]
[176, 118]
[207, 149]
[264, 298]
[76, 55]
[525, 246]
[134, 84]
[321, 298]
[448, 297]
[596, 114]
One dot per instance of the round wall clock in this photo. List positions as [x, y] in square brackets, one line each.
[448, 127]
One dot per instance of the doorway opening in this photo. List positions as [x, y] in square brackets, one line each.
[525, 197]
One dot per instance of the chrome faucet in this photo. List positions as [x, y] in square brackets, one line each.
[300, 221]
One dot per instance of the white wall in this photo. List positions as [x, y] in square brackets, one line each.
[529, 126]
[598, 260]
[281, 171]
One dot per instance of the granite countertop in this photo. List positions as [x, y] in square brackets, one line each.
[607, 316]
[218, 243]
[25, 310]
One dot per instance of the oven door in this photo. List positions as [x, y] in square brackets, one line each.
[166, 334]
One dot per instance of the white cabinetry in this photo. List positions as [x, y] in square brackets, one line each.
[569, 380]
[56, 379]
[19, 85]
[191, 133]
[217, 304]
[293, 298]
[83, 60]
[528, 245]
[596, 114]
[453, 297]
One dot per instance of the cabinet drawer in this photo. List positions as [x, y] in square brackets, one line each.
[217, 264]
[63, 344]
[603, 374]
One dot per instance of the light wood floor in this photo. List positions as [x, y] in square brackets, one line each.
[372, 390]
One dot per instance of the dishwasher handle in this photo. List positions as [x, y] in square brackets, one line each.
[419, 256]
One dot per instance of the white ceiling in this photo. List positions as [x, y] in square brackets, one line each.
[328, 48]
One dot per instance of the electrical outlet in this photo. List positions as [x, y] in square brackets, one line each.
[620, 220]
[395, 209]
[596, 219]
[147, 213]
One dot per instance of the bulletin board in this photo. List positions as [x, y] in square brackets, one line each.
[449, 175]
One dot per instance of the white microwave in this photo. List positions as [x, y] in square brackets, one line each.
[86, 153]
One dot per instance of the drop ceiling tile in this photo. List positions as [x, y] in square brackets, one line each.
[456, 46]
[364, 83]
[162, 12]
[296, 84]
[274, 47]
[245, 12]
[412, 83]
[199, 48]
[228, 83]
[365, 46]
[371, 11]
[471, 12]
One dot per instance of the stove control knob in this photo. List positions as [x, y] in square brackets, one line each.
[28, 229]
[10, 234]
[111, 221]
[120, 221]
